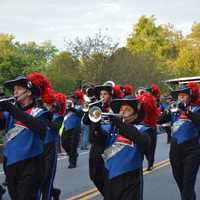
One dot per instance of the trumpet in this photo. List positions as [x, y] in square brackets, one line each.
[89, 94]
[96, 115]
[109, 83]
[140, 91]
[8, 99]
[86, 106]
[177, 106]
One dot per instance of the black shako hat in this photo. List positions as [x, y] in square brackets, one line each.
[183, 89]
[99, 88]
[131, 101]
[24, 82]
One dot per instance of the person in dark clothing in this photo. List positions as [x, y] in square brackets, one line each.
[2, 191]
[124, 138]
[155, 92]
[25, 127]
[96, 163]
[185, 143]
[71, 134]
[167, 126]
[56, 103]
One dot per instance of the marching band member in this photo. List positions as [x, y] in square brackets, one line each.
[96, 163]
[155, 92]
[71, 133]
[55, 102]
[25, 126]
[126, 141]
[185, 146]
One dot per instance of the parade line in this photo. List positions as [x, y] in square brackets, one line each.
[94, 192]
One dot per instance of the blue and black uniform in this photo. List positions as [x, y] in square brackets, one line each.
[166, 126]
[25, 130]
[96, 162]
[123, 156]
[50, 155]
[71, 136]
[185, 149]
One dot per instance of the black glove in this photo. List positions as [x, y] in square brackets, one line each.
[95, 126]
[4, 105]
[183, 107]
[116, 122]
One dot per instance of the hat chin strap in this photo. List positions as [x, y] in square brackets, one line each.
[21, 96]
[131, 118]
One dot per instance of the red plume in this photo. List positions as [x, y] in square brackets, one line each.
[117, 92]
[61, 100]
[40, 81]
[48, 96]
[155, 91]
[152, 112]
[195, 93]
[128, 90]
[79, 94]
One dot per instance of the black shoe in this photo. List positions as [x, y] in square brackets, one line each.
[56, 193]
[4, 184]
[150, 168]
[72, 165]
[2, 191]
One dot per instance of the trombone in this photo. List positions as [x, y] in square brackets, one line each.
[96, 115]
[86, 106]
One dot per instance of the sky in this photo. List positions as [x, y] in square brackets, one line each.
[60, 20]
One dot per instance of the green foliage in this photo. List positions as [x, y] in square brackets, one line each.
[17, 59]
[160, 41]
[152, 53]
[63, 71]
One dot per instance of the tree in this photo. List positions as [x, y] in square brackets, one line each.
[19, 59]
[187, 62]
[160, 41]
[64, 72]
[92, 52]
[99, 44]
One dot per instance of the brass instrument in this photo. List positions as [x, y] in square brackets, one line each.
[173, 107]
[176, 106]
[8, 99]
[109, 83]
[88, 90]
[140, 91]
[89, 94]
[86, 106]
[96, 115]
[70, 104]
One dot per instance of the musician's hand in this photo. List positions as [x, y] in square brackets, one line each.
[4, 105]
[94, 125]
[116, 122]
[183, 107]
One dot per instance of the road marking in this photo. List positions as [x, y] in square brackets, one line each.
[94, 192]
